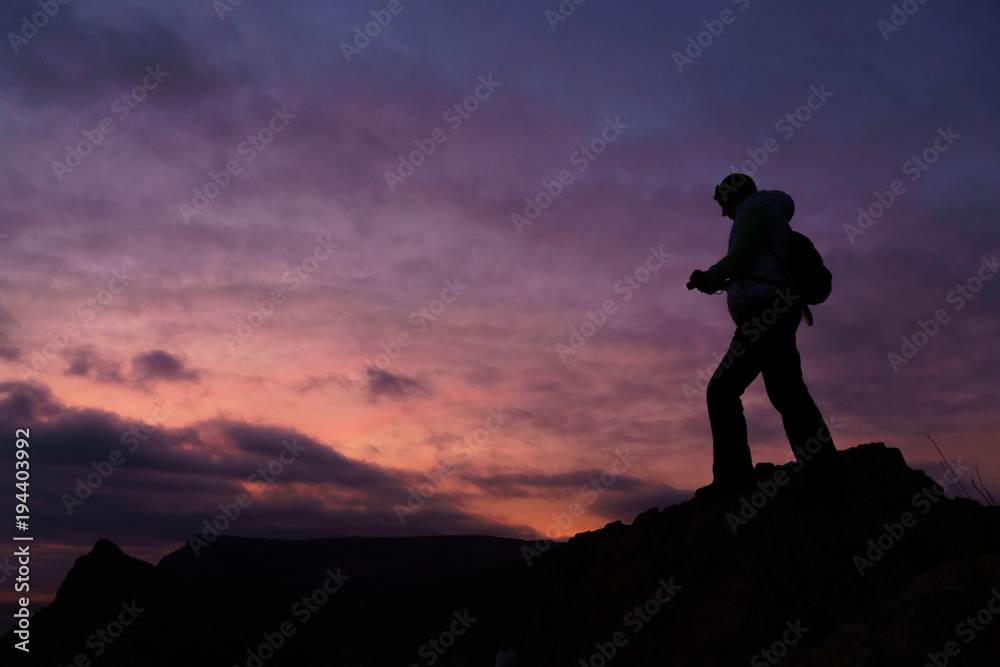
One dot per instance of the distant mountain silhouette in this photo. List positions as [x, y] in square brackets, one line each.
[885, 577]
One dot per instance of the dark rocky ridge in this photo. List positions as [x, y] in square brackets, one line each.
[790, 571]
[789, 563]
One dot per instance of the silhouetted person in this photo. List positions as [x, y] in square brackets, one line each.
[506, 657]
[767, 313]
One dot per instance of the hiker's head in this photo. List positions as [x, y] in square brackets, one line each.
[733, 189]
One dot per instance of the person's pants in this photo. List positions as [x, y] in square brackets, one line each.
[764, 344]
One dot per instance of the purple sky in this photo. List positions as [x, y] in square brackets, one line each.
[207, 229]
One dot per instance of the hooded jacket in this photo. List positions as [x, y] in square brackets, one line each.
[762, 264]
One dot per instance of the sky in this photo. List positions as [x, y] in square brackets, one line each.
[418, 267]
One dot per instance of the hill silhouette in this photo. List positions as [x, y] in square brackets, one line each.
[894, 573]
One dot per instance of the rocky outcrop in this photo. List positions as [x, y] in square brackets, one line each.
[883, 577]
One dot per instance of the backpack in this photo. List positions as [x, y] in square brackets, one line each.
[806, 273]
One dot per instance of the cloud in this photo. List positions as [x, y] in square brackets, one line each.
[170, 478]
[86, 362]
[84, 57]
[25, 403]
[156, 365]
[317, 383]
[161, 365]
[382, 383]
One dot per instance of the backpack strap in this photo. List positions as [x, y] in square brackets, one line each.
[806, 313]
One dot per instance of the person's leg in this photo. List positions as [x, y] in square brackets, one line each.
[732, 465]
[807, 432]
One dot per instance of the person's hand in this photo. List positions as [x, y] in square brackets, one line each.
[703, 282]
